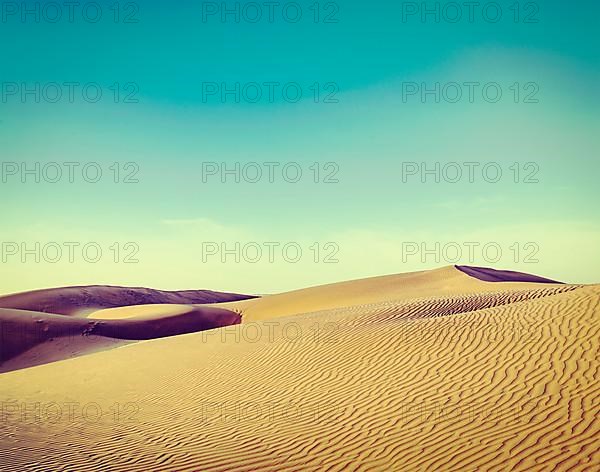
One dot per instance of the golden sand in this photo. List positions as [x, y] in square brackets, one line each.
[428, 371]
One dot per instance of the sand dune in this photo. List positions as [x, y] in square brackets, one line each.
[22, 331]
[85, 299]
[44, 326]
[431, 283]
[429, 371]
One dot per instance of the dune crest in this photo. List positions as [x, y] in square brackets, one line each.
[430, 283]
[493, 275]
[74, 301]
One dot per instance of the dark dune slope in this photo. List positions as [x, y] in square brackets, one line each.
[492, 275]
[75, 300]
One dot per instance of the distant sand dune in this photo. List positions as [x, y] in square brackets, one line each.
[84, 299]
[428, 371]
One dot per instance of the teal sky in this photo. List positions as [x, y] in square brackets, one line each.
[369, 53]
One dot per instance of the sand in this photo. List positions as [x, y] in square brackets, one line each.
[435, 370]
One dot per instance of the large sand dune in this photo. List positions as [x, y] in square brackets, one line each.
[429, 371]
[429, 283]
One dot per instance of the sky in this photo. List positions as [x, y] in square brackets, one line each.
[259, 147]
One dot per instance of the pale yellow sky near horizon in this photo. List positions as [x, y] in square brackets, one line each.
[169, 262]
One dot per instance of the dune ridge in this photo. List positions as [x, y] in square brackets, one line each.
[496, 377]
[493, 275]
[429, 283]
[81, 300]
[48, 325]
